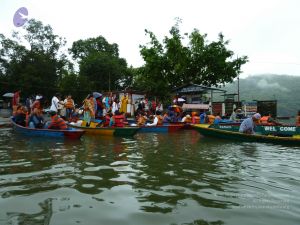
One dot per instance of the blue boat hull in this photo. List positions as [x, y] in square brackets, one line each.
[71, 133]
[162, 128]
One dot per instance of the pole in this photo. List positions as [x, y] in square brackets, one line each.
[109, 82]
[238, 79]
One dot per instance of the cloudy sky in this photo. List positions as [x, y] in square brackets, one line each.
[267, 31]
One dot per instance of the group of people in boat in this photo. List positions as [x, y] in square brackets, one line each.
[36, 119]
[110, 111]
[31, 114]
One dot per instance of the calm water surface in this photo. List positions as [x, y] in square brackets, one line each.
[179, 178]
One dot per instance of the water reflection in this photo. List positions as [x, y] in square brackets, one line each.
[177, 178]
[169, 176]
[42, 217]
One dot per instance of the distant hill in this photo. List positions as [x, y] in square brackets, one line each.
[285, 89]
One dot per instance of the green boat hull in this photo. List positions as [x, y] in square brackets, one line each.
[285, 130]
[230, 135]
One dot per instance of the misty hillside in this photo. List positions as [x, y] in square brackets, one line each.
[285, 89]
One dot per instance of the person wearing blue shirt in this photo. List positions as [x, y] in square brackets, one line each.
[202, 117]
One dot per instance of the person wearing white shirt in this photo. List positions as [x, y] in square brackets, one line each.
[248, 125]
[54, 103]
[158, 120]
[115, 106]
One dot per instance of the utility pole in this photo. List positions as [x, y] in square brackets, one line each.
[109, 82]
[238, 81]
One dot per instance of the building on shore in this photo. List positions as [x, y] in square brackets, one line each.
[201, 98]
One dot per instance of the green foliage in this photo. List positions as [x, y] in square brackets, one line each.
[83, 48]
[99, 62]
[37, 68]
[171, 64]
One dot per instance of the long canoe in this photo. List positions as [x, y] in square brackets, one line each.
[70, 133]
[165, 128]
[109, 131]
[208, 131]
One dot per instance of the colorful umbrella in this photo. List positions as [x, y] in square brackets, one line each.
[97, 95]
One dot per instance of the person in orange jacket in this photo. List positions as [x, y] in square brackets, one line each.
[56, 122]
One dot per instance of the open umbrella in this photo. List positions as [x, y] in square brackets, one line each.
[97, 95]
[8, 95]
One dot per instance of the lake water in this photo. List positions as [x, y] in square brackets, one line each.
[177, 178]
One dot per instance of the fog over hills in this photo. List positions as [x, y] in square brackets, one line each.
[283, 88]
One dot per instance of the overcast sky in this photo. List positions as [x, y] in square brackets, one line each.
[267, 31]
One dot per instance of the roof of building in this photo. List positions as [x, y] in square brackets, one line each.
[191, 88]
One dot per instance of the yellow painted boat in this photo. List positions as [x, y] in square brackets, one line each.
[107, 131]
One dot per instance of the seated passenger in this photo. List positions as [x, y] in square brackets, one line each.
[74, 116]
[166, 118]
[56, 122]
[210, 118]
[269, 120]
[217, 119]
[158, 120]
[36, 119]
[117, 120]
[20, 115]
[187, 119]
[141, 119]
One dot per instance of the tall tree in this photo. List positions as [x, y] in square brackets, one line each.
[171, 64]
[99, 62]
[33, 62]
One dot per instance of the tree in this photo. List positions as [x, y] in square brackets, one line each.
[33, 62]
[171, 64]
[100, 63]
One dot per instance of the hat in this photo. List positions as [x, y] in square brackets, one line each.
[38, 97]
[257, 116]
[188, 116]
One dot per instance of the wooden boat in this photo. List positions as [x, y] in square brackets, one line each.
[110, 131]
[165, 128]
[206, 130]
[71, 133]
[277, 130]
